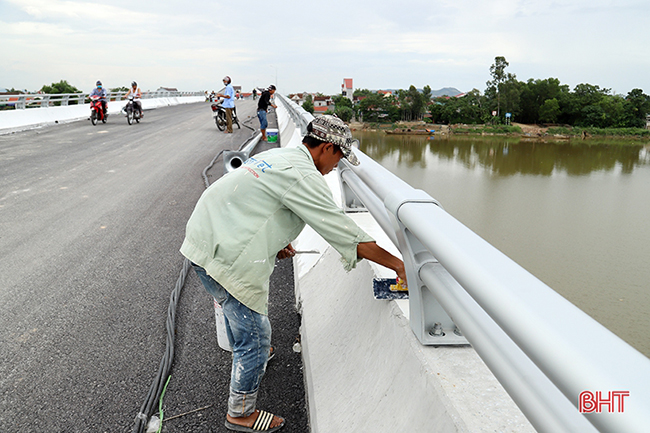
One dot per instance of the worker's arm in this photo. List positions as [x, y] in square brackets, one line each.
[375, 253]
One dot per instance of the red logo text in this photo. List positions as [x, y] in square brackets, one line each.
[613, 401]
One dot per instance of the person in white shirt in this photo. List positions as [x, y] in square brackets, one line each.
[137, 94]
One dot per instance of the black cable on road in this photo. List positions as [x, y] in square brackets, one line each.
[156, 389]
[166, 363]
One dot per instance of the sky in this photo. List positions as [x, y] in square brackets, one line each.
[304, 46]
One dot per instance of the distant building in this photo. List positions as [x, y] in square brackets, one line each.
[322, 104]
[167, 89]
[299, 98]
[347, 89]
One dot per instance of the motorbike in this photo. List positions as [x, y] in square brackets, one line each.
[131, 112]
[219, 114]
[96, 110]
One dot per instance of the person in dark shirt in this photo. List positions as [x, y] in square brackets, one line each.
[103, 94]
[262, 106]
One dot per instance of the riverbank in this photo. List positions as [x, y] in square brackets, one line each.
[524, 131]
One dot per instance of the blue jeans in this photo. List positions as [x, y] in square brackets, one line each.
[249, 334]
[261, 114]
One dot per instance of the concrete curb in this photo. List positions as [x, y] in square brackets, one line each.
[366, 372]
[20, 120]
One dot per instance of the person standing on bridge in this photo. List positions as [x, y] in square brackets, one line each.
[249, 217]
[229, 101]
[262, 107]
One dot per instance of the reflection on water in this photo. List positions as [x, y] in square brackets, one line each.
[576, 216]
[508, 156]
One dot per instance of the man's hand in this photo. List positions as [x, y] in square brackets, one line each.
[286, 252]
[375, 253]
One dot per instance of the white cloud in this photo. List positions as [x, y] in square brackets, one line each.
[312, 46]
[79, 10]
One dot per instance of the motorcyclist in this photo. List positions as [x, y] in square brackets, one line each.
[229, 102]
[103, 94]
[137, 94]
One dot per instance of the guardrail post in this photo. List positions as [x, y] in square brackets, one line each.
[351, 202]
[429, 321]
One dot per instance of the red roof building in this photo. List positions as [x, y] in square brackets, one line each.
[347, 89]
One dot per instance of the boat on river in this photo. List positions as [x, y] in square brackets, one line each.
[409, 131]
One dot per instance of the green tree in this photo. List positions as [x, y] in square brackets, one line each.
[61, 87]
[586, 108]
[426, 95]
[341, 101]
[308, 105]
[638, 107]
[549, 111]
[119, 89]
[413, 103]
[362, 92]
[344, 113]
[376, 108]
[416, 103]
[593, 115]
[535, 93]
[466, 109]
[499, 77]
[614, 108]
[588, 94]
[511, 90]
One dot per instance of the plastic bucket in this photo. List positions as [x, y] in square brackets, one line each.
[272, 135]
[222, 336]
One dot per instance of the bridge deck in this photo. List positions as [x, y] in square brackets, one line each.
[91, 219]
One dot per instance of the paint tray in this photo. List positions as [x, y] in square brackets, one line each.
[386, 288]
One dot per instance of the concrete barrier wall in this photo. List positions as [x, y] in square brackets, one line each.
[365, 371]
[17, 120]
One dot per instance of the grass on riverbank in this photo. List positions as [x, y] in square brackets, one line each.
[486, 129]
[599, 132]
[542, 132]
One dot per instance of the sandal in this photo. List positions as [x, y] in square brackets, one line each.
[261, 424]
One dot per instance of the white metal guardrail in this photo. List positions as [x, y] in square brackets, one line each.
[34, 100]
[565, 371]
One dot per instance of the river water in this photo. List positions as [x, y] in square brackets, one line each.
[575, 215]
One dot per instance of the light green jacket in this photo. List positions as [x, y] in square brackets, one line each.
[244, 219]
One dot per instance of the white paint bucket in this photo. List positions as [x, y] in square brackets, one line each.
[272, 135]
[222, 336]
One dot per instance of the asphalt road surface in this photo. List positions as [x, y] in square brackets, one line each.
[91, 220]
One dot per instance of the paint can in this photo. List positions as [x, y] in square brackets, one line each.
[272, 135]
[222, 335]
